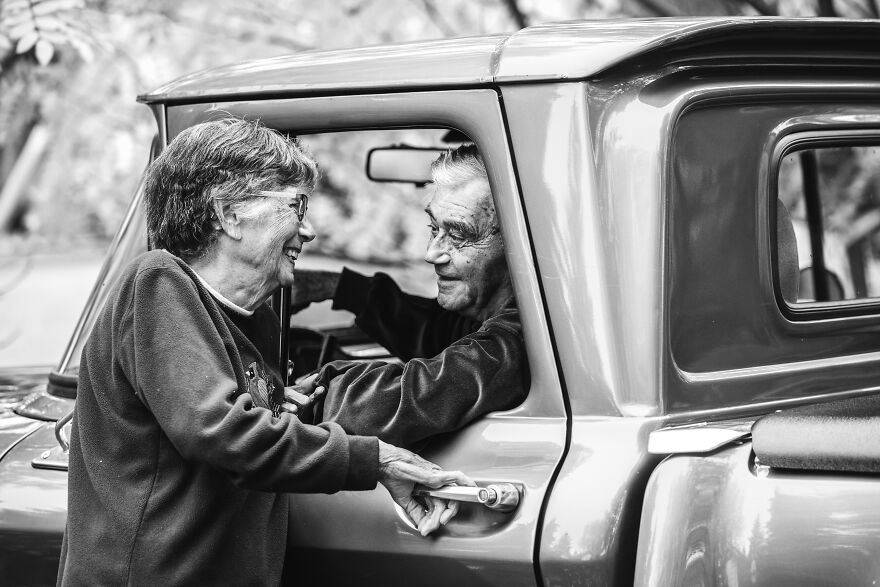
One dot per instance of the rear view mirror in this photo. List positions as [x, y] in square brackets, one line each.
[402, 163]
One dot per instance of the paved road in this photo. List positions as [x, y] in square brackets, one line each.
[41, 298]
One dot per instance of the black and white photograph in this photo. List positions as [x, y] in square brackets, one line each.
[490, 293]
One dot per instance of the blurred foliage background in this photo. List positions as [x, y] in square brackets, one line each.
[73, 141]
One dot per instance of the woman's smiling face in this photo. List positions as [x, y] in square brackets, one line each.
[273, 236]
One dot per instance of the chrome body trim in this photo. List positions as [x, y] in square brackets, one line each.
[697, 438]
[54, 459]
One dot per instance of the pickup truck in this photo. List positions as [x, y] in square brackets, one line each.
[690, 216]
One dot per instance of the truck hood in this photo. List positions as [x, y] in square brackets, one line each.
[20, 381]
[18, 385]
[15, 428]
[23, 390]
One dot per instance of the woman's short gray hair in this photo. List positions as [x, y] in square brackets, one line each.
[457, 166]
[228, 160]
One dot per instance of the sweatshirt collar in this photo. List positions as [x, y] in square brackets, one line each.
[223, 299]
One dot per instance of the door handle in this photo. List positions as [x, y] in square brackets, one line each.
[502, 497]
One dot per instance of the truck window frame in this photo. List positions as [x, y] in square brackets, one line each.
[799, 142]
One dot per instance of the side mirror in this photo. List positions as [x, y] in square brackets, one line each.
[402, 163]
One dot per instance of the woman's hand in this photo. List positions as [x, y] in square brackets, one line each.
[400, 470]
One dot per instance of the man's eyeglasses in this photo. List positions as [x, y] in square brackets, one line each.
[300, 203]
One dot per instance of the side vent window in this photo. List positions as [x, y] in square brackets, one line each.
[828, 222]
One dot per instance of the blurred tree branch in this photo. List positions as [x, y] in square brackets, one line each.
[7, 60]
[516, 13]
[825, 8]
[655, 7]
[17, 274]
[436, 18]
[209, 28]
[868, 9]
[356, 8]
[762, 7]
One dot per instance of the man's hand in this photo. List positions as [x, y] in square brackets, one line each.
[400, 470]
[311, 286]
[300, 396]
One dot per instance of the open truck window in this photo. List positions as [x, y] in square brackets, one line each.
[371, 219]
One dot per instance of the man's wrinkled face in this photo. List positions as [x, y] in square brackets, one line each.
[466, 249]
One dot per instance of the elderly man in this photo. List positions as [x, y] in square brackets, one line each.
[464, 352]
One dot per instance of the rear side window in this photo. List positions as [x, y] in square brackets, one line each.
[828, 220]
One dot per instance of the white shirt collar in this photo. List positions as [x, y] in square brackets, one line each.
[223, 299]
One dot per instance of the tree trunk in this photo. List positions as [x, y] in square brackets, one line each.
[15, 188]
[18, 115]
[516, 13]
[825, 8]
[654, 7]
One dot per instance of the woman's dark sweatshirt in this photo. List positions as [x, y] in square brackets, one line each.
[176, 475]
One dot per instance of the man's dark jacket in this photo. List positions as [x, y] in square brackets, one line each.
[455, 369]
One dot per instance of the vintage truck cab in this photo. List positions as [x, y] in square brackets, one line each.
[690, 210]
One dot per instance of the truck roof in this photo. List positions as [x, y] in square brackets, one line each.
[548, 52]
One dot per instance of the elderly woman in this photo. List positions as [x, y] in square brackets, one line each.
[179, 453]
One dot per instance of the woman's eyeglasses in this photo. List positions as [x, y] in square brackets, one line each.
[300, 203]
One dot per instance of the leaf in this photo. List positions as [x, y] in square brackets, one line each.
[83, 48]
[51, 6]
[12, 19]
[55, 37]
[86, 35]
[19, 20]
[26, 42]
[51, 23]
[44, 52]
[16, 5]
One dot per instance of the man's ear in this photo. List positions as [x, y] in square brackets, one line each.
[227, 219]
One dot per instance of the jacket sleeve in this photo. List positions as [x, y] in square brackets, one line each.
[407, 325]
[402, 404]
[180, 365]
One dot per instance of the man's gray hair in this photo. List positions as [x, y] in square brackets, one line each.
[228, 160]
[457, 166]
